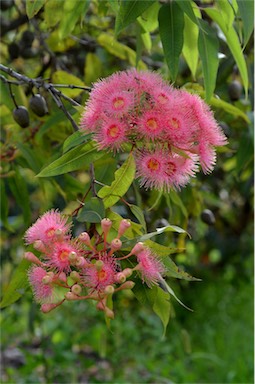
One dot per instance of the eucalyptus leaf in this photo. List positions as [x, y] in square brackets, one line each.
[246, 9]
[93, 211]
[33, 7]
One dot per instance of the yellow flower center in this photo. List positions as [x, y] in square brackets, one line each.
[152, 124]
[174, 123]
[118, 103]
[50, 232]
[101, 275]
[153, 165]
[113, 131]
[63, 255]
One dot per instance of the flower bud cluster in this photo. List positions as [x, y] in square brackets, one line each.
[172, 131]
[84, 267]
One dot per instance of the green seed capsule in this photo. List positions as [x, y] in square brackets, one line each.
[21, 116]
[38, 105]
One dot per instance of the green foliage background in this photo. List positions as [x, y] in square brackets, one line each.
[203, 46]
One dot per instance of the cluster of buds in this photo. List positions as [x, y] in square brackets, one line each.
[83, 268]
[171, 131]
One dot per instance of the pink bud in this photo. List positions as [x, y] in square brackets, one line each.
[124, 225]
[59, 233]
[127, 272]
[72, 257]
[47, 279]
[75, 276]
[62, 277]
[45, 308]
[127, 285]
[116, 244]
[31, 257]
[137, 248]
[71, 296]
[76, 289]
[100, 306]
[106, 226]
[120, 278]
[39, 246]
[81, 262]
[109, 289]
[84, 237]
[99, 265]
[109, 313]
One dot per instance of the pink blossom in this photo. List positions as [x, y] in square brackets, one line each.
[51, 226]
[150, 267]
[42, 292]
[58, 256]
[112, 134]
[99, 278]
[150, 125]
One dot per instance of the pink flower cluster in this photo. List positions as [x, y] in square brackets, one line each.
[83, 268]
[171, 131]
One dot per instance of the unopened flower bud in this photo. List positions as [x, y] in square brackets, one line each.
[47, 279]
[71, 296]
[76, 289]
[80, 262]
[100, 306]
[106, 226]
[39, 246]
[62, 277]
[59, 233]
[84, 237]
[31, 257]
[72, 256]
[124, 225]
[127, 272]
[127, 285]
[120, 278]
[99, 265]
[137, 248]
[45, 308]
[116, 244]
[109, 289]
[109, 313]
[75, 276]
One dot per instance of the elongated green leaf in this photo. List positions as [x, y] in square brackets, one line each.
[63, 77]
[190, 46]
[18, 186]
[33, 7]
[73, 11]
[77, 158]
[129, 11]
[54, 119]
[149, 19]
[208, 49]
[17, 286]
[232, 40]
[119, 50]
[171, 26]
[92, 212]
[154, 298]
[124, 177]
[4, 204]
[246, 9]
[170, 290]
[75, 139]
[131, 232]
[138, 213]
[187, 7]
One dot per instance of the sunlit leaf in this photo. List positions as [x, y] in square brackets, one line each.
[171, 26]
[73, 11]
[17, 285]
[62, 77]
[123, 178]
[77, 158]
[33, 7]
[128, 13]
[208, 46]
[74, 140]
[190, 47]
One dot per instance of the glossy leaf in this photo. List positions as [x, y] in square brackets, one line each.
[75, 139]
[171, 26]
[170, 290]
[77, 158]
[31, 156]
[73, 11]
[33, 7]
[190, 47]
[187, 7]
[123, 178]
[119, 50]
[246, 9]
[128, 13]
[138, 213]
[208, 46]
[62, 77]
[149, 19]
[17, 285]
[92, 212]
[232, 40]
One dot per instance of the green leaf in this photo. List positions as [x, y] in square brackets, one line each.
[62, 77]
[123, 178]
[149, 19]
[33, 7]
[31, 157]
[187, 7]
[190, 46]
[74, 140]
[93, 67]
[170, 290]
[208, 46]
[119, 50]
[128, 13]
[138, 213]
[4, 204]
[92, 212]
[174, 196]
[73, 11]
[131, 232]
[18, 187]
[162, 307]
[18, 283]
[246, 9]
[232, 39]
[56, 118]
[174, 271]
[77, 158]
[171, 26]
